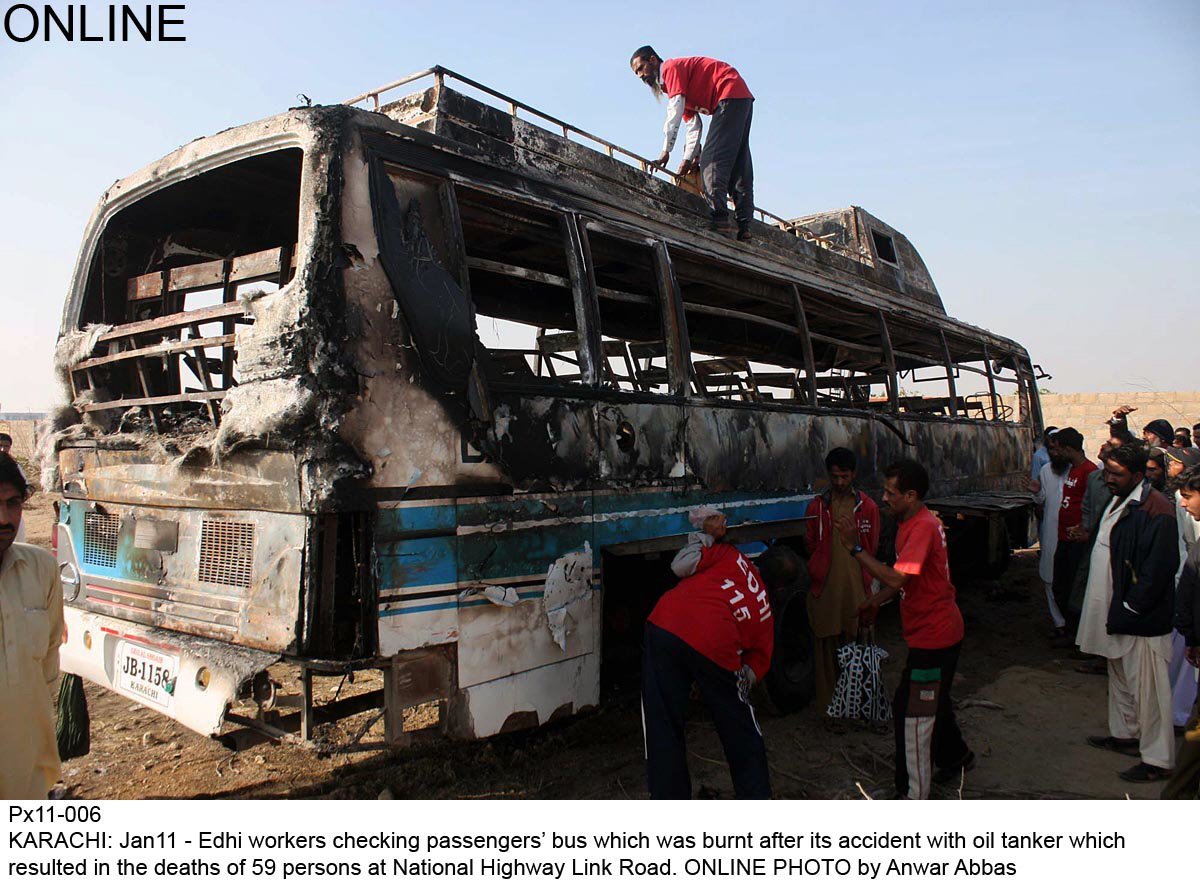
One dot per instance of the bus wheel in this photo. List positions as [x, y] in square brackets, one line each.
[789, 681]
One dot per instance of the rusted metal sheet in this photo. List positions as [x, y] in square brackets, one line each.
[255, 480]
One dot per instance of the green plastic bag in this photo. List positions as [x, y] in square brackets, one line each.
[74, 726]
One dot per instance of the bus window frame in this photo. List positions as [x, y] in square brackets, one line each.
[579, 275]
[790, 299]
[675, 327]
[666, 294]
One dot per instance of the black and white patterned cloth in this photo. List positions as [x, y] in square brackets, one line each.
[859, 693]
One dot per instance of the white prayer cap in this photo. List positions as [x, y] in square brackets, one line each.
[700, 514]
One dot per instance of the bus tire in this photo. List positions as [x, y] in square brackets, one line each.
[998, 552]
[789, 682]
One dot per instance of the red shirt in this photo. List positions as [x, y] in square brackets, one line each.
[703, 82]
[929, 615]
[1072, 498]
[721, 611]
[821, 536]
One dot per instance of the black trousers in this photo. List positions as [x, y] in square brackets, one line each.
[669, 668]
[725, 165]
[921, 743]
[1068, 558]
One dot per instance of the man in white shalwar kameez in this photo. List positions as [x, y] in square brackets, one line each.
[1047, 493]
[1126, 615]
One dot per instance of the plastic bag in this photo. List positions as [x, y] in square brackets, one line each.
[74, 726]
[860, 693]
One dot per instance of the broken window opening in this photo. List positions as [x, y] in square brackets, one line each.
[521, 287]
[848, 355]
[984, 381]
[1007, 380]
[925, 386]
[885, 247]
[633, 346]
[167, 275]
[745, 342]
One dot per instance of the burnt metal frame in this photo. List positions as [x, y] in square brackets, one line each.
[462, 173]
[586, 296]
[664, 288]
[614, 151]
[169, 287]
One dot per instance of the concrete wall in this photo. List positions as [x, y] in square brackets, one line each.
[1089, 411]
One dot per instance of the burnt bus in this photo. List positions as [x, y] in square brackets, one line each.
[427, 388]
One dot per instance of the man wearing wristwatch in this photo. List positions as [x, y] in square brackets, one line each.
[927, 734]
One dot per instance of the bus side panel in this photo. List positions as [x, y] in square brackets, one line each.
[964, 457]
[639, 440]
[416, 570]
[741, 448]
[529, 698]
[525, 562]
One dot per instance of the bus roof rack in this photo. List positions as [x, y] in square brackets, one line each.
[615, 151]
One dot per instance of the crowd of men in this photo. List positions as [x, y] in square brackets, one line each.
[1118, 556]
[1119, 559]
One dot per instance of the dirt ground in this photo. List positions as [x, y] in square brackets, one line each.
[1023, 707]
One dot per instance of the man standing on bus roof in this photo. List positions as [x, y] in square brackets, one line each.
[837, 583]
[697, 85]
[714, 629]
[31, 628]
[927, 734]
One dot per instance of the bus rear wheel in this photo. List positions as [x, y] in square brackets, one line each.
[790, 682]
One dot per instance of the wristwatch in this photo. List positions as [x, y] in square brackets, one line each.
[855, 551]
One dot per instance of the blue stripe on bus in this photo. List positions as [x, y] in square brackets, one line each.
[392, 524]
[438, 561]
[422, 608]
[429, 561]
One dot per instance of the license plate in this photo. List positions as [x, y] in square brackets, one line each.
[146, 673]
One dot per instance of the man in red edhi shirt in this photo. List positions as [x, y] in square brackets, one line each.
[1071, 550]
[697, 85]
[927, 735]
[714, 629]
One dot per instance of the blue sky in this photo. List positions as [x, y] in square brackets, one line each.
[1043, 157]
